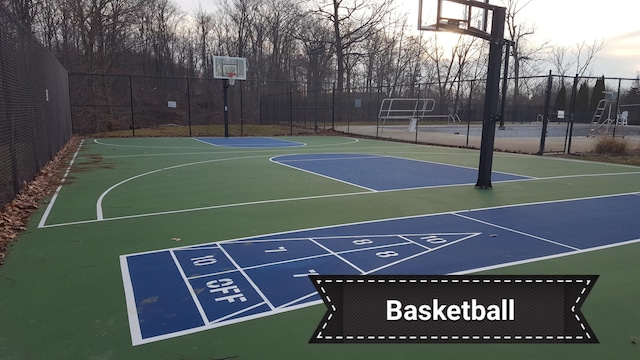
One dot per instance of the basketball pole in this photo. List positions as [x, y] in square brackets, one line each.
[225, 88]
[492, 93]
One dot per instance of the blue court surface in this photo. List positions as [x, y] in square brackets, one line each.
[250, 142]
[382, 173]
[184, 290]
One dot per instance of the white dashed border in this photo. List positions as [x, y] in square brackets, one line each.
[333, 309]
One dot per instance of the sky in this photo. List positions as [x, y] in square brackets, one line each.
[561, 23]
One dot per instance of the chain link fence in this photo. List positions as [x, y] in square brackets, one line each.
[35, 118]
[540, 114]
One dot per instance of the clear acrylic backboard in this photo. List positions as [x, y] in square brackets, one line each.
[229, 68]
[462, 16]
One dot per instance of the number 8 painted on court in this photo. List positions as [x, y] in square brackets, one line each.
[362, 242]
[386, 254]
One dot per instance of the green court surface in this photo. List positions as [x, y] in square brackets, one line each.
[61, 288]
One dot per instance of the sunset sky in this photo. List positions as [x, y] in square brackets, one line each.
[561, 23]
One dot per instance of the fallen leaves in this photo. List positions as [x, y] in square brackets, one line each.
[16, 214]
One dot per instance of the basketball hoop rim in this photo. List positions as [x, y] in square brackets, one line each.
[231, 77]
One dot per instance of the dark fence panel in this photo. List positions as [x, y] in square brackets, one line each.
[532, 116]
[35, 118]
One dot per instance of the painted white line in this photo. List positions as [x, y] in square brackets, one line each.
[311, 257]
[47, 211]
[99, 213]
[255, 145]
[102, 142]
[288, 141]
[345, 236]
[304, 198]
[205, 142]
[518, 232]
[194, 297]
[365, 156]
[463, 167]
[321, 175]
[248, 278]
[548, 257]
[146, 146]
[588, 175]
[132, 309]
[415, 242]
[298, 300]
[338, 256]
[353, 141]
[228, 322]
[238, 312]
[212, 274]
[419, 254]
[346, 224]
[213, 207]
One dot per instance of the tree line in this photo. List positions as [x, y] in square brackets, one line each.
[354, 43]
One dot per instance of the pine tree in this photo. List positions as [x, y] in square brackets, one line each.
[561, 99]
[582, 113]
[597, 94]
[632, 96]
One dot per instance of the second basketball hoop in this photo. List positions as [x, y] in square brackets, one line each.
[229, 68]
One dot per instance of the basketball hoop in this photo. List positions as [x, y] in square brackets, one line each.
[232, 78]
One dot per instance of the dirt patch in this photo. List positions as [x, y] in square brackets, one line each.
[16, 214]
[91, 162]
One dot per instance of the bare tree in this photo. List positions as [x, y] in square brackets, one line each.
[450, 64]
[24, 10]
[522, 51]
[579, 57]
[204, 22]
[280, 20]
[353, 21]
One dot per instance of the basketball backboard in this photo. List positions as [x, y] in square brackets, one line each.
[229, 68]
[470, 17]
[461, 16]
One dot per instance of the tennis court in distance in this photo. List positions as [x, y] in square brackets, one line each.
[116, 264]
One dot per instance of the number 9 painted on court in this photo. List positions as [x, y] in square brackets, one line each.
[386, 254]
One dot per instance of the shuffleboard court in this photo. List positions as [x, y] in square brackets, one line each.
[184, 290]
[175, 248]
[383, 173]
[251, 142]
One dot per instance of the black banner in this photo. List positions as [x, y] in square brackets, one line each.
[454, 309]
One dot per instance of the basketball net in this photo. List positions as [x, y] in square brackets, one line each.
[232, 78]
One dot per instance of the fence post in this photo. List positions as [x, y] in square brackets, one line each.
[572, 110]
[333, 106]
[189, 106]
[469, 110]
[133, 123]
[505, 82]
[545, 118]
[290, 108]
[613, 135]
[241, 110]
[417, 118]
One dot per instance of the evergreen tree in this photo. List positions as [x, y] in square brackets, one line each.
[582, 113]
[597, 94]
[632, 96]
[561, 99]
[582, 99]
